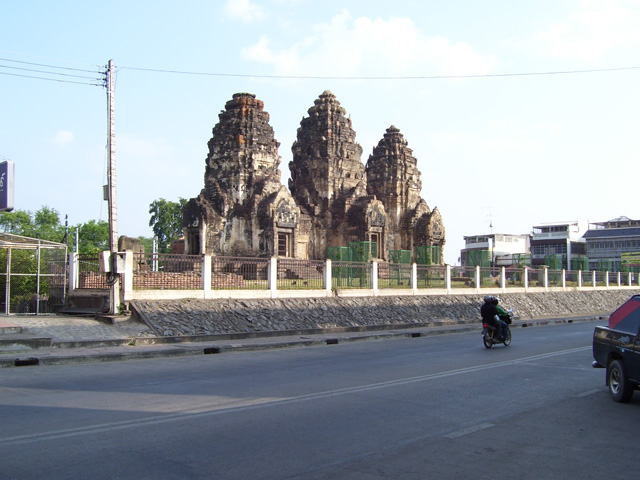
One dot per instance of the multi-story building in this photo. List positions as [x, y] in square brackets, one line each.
[613, 245]
[496, 250]
[559, 246]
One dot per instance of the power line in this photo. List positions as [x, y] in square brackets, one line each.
[51, 71]
[52, 79]
[47, 72]
[49, 58]
[48, 66]
[417, 77]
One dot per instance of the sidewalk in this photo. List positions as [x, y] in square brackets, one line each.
[56, 340]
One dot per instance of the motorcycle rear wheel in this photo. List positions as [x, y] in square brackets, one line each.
[487, 340]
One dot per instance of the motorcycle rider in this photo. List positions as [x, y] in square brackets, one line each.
[491, 313]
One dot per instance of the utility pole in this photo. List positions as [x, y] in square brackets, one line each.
[113, 278]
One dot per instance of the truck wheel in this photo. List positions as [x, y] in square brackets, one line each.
[619, 386]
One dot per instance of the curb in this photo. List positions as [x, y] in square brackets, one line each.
[101, 351]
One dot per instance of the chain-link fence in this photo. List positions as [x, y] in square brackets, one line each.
[33, 275]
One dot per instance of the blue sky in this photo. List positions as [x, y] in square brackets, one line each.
[498, 153]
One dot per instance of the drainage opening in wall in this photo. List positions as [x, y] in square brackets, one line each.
[32, 361]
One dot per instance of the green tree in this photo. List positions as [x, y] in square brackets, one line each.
[93, 237]
[147, 243]
[47, 226]
[43, 224]
[17, 222]
[166, 222]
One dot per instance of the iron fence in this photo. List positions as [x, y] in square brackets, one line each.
[180, 272]
[514, 277]
[350, 275]
[237, 273]
[554, 278]
[154, 271]
[463, 277]
[89, 274]
[300, 274]
[601, 279]
[431, 276]
[572, 278]
[394, 275]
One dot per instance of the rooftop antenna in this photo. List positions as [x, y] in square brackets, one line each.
[490, 221]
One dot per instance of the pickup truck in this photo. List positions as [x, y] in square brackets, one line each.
[617, 348]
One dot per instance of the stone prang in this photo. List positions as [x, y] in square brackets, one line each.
[242, 193]
[333, 199]
[326, 158]
[393, 177]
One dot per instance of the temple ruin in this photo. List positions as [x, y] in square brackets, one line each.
[333, 198]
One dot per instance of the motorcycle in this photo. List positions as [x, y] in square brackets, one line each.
[489, 337]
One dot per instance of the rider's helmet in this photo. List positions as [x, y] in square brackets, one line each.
[496, 300]
[488, 298]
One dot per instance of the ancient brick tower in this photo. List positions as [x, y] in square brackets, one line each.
[327, 180]
[393, 177]
[333, 199]
[243, 203]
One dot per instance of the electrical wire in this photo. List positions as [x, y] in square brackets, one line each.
[50, 74]
[47, 72]
[103, 74]
[417, 77]
[52, 79]
[48, 66]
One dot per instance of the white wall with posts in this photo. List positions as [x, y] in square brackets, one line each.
[374, 286]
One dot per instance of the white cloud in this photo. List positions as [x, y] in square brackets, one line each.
[62, 138]
[597, 27]
[366, 46]
[243, 10]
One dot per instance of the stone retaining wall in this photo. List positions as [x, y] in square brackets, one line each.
[209, 317]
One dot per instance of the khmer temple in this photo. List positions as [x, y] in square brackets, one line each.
[333, 199]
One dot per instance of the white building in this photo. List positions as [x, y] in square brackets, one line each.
[496, 250]
[559, 243]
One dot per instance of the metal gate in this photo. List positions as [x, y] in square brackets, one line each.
[33, 275]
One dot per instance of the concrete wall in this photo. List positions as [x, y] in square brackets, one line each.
[221, 316]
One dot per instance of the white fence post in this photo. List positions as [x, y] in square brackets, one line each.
[74, 271]
[127, 283]
[272, 275]
[503, 279]
[206, 273]
[327, 278]
[478, 279]
[374, 277]
[545, 279]
[414, 277]
[447, 278]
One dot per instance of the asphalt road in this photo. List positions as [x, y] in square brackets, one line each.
[438, 407]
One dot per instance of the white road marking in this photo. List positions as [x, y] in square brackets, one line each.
[468, 430]
[252, 404]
